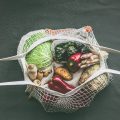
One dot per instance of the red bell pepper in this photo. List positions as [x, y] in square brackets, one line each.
[52, 86]
[73, 62]
[65, 87]
[76, 57]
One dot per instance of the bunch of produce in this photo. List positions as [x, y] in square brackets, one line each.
[37, 75]
[38, 60]
[64, 50]
[58, 81]
[58, 84]
[72, 58]
[82, 60]
[89, 59]
[95, 84]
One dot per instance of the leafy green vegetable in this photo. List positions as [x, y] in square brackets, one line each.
[65, 50]
[60, 52]
[41, 55]
[85, 49]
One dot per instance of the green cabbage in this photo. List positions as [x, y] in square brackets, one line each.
[41, 55]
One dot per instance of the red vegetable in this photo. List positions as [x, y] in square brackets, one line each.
[59, 85]
[57, 80]
[73, 62]
[76, 57]
[52, 86]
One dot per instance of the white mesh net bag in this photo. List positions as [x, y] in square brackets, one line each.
[91, 80]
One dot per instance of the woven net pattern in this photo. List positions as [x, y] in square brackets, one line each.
[78, 98]
[81, 97]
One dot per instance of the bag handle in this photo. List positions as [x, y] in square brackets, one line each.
[101, 71]
[24, 82]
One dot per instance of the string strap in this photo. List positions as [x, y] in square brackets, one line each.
[16, 83]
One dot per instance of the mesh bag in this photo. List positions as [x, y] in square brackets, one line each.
[98, 75]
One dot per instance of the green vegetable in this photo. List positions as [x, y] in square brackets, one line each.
[64, 50]
[41, 55]
[72, 66]
[71, 50]
[85, 49]
[67, 44]
[79, 46]
[60, 52]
